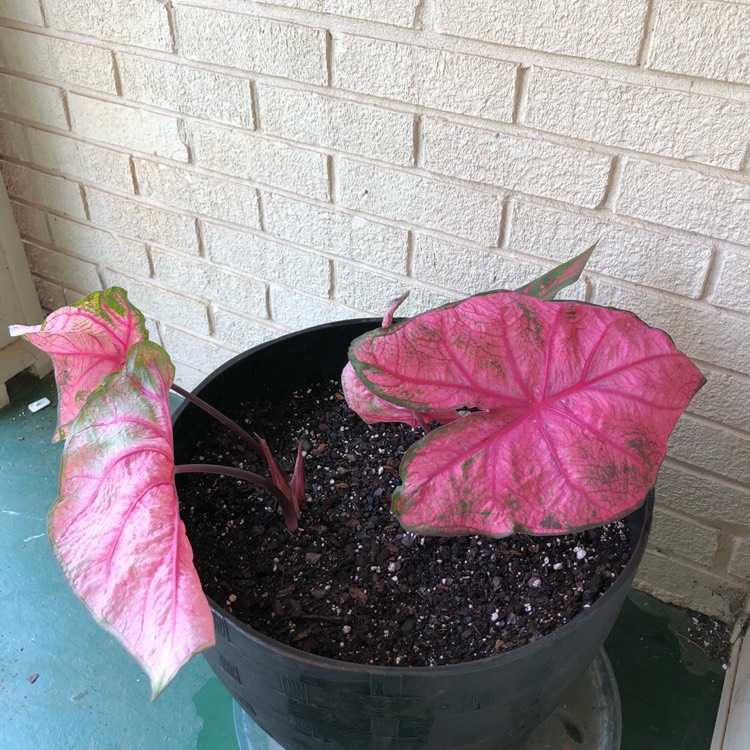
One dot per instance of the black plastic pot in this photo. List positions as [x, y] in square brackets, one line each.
[307, 702]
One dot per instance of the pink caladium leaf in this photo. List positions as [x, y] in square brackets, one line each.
[115, 526]
[577, 404]
[372, 409]
[87, 341]
[548, 285]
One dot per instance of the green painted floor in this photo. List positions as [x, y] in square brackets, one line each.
[89, 695]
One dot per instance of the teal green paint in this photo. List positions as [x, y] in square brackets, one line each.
[90, 695]
[669, 689]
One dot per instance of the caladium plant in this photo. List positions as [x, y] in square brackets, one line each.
[115, 527]
[566, 409]
[552, 417]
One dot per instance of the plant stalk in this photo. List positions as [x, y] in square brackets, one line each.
[219, 417]
[231, 471]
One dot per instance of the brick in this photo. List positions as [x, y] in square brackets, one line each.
[361, 289]
[739, 564]
[160, 303]
[26, 11]
[415, 199]
[61, 269]
[253, 44]
[704, 39]
[711, 447]
[79, 159]
[99, 246]
[208, 196]
[51, 296]
[703, 333]
[724, 398]
[141, 222]
[702, 496]
[211, 283]
[184, 89]
[204, 354]
[330, 231]
[643, 118]
[681, 198]
[595, 29]
[31, 222]
[468, 270]
[513, 163]
[60, 59]
[395, 12]
[298, 311]
[331, 123]
[687, 586]
[29, 100]
[122, 21]
[240, 332]
[249, 156]
[267, 260]
[186, 376]
[448, 81]
[732, 288]
[674, 535]
[128, 127]
[13, 142]
[43, 189]
[650, 258]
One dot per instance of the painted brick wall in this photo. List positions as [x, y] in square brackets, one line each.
[248, 168]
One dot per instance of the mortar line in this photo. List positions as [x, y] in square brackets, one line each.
[255, 113]
[614, 184]
[417, 139]
[116, 73]
[649, 21]
[521, 96]
[506, 223]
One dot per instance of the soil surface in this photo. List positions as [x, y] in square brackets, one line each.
[351, 584]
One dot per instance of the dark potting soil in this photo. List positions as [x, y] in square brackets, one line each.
[351, 584]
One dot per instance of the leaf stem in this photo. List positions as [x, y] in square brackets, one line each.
[422, 422]
[231, 471]
[219, 417]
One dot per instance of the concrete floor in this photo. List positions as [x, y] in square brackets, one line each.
[90, 695]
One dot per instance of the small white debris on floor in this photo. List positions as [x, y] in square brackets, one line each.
[38, 405]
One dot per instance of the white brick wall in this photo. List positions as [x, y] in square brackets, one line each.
[58, 59]
[525, 165]
[29, 100]
[437, 79]
[396, 12]
[74, 158]
[316, 120]
[424, 202]
[601, 29]
[702, 38]
[122, 21]
[253, 44]
[201, 194]
[243, 154]
[184, 89]
[27, 11]
[705, 129]
[245, 169]
[131, 128]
